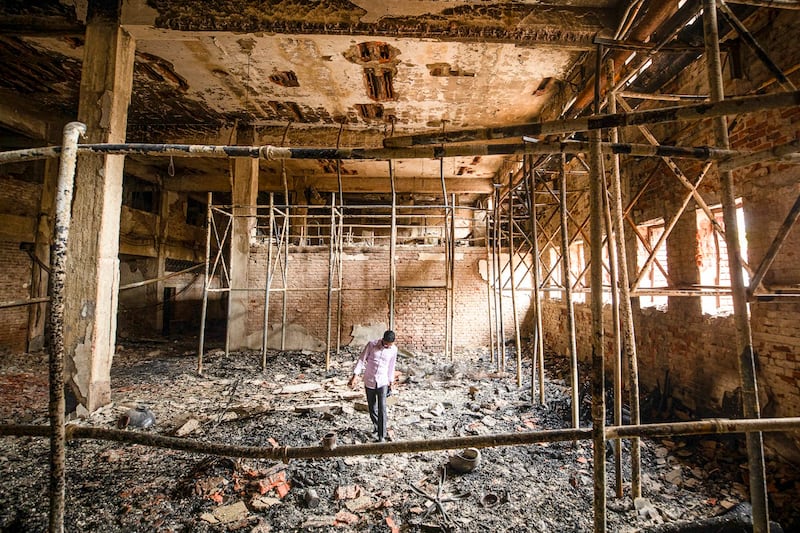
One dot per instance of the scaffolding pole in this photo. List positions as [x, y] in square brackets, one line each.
[565, 270]
[744, 340]
[56, 406]
[452, 273]
[392, 251]
[511, 254]
[489, 277]
[331, 267]
[268, 283]
[625, 312]
[537, 368]
[498, 286]
[596, 194]
[206, 279]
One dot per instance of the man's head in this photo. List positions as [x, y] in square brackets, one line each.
[388, 338]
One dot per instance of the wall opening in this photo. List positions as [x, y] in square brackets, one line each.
[712, 258]
[654, 277]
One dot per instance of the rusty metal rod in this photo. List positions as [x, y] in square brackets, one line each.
[27, 301]
[716, 426]
[56, 407]
[730, 106]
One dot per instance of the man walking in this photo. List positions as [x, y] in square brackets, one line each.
[377, 361]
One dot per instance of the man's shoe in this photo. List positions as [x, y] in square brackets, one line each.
[379, 440]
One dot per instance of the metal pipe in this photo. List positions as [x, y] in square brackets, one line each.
[452, 273]
[56, 407]
[730, 106]
[204, 308]
[286, 453]
[744, 341]
[511, 254]
[27, 301]
[565, 270]
[598, 359]
[785, 153]
[777, 4]
[626, 311]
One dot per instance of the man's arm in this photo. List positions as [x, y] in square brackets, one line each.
[360, 363]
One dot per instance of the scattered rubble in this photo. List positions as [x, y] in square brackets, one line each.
[297, 402]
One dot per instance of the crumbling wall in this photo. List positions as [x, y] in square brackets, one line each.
[420, 303]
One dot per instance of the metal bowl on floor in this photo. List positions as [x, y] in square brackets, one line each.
[465, 461]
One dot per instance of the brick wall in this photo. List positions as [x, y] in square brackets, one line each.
[19, 198]
[698, 350]
[14, 285]
[420, 300]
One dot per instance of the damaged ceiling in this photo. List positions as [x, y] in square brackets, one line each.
[317, 74]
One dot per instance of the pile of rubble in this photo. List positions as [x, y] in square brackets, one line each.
[298, 402]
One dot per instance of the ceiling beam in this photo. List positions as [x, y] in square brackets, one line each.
[328, 183]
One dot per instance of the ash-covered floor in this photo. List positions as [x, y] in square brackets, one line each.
[541, 488]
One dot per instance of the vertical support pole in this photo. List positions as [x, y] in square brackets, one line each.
[489, 294]
[204, 308]
[598, 366]
[498, 233]
[340, 234]
[162, 318]
[511, 253]
[392, 249]
[567, 281]
[268, 282]
[452, 273]
[744, 340]
[445, 236]
[331, 266]
[287, 224]
[537, 295]
[66, 176]
[626, 311]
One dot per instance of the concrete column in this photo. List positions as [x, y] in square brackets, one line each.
[37, 315]
[92, 285]
[245, 195]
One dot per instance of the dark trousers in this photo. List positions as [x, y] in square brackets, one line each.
[376, 400]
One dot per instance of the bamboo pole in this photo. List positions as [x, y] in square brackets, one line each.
[626, 312]
[204, 308]
[452, 273]
[598, 360]
[392, 251]
[285, 239]
[565, 270]
[744, 341]
[331, 267]
[511, 254]
[268, 282]
[537, 297]
[489, 277]
[501, 335]
[56, 407]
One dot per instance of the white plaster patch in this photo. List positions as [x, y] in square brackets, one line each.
[362, 334]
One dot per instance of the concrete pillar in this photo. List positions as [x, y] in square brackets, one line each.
[92, 286]
[245, 195]
[37, 315]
